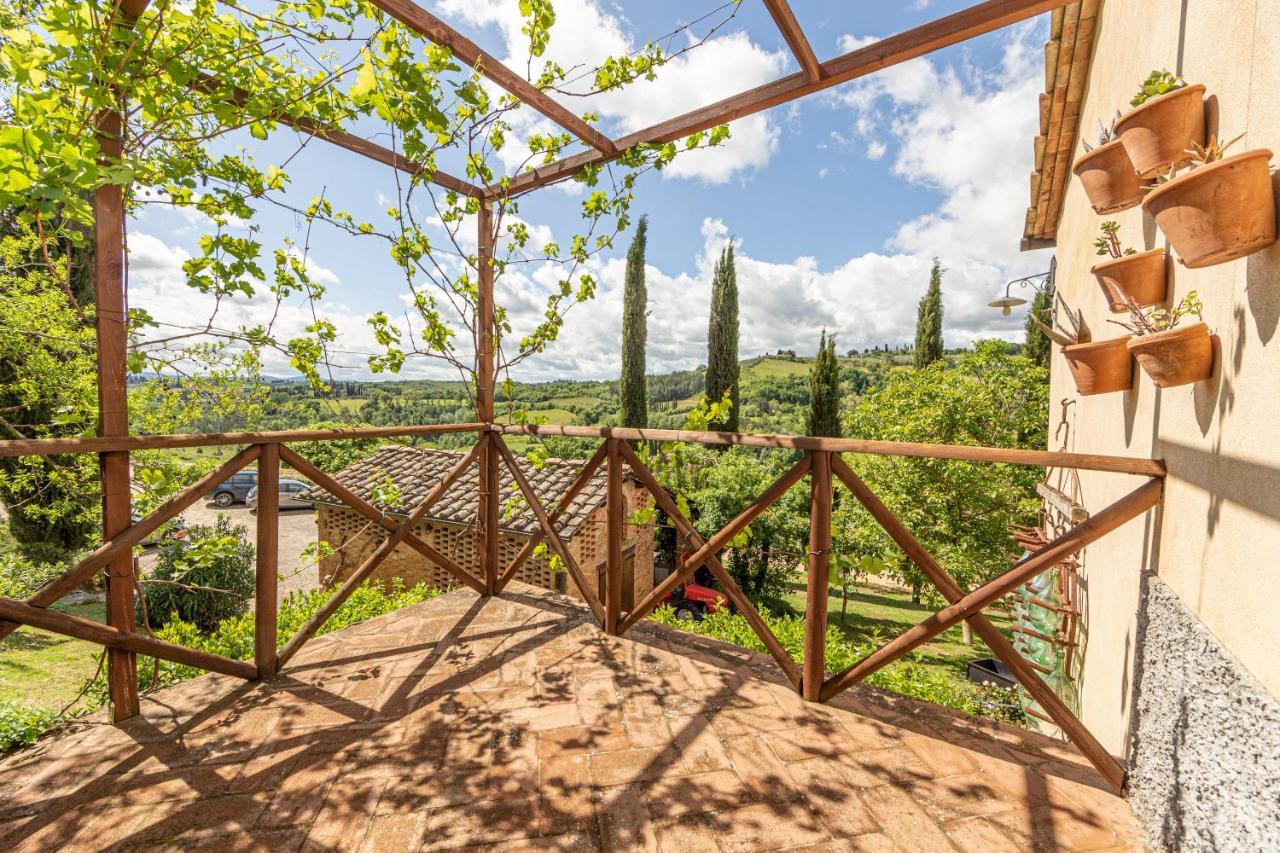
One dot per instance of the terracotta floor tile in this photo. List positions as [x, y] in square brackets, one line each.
[518, 725]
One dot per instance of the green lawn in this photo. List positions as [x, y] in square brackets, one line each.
[48, 670]
[889, 611]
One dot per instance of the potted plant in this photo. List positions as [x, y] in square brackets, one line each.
[1129, 275]
[1168, 117]
[1172, 354]
[1098, 367]
[1223, 208]
[1107, 175]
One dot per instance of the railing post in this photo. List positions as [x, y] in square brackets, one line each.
[265, 594]
[614, 532]
[815, 611]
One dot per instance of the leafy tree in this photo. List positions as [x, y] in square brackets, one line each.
[959, 510]
[824, 391]
[929, 320]
[635, 409]
[722, 341]
[1038, 347]
[203, 579]
[47, 390]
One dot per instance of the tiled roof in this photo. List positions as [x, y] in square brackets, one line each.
[1068, 56]
[416, 471]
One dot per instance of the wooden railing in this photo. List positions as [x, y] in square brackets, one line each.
[821, 461]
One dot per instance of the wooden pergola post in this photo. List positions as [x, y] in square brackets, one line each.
[487, 510]
[113, 412]
[265, 588]
[815, 611]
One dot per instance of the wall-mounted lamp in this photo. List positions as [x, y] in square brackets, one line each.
[1038, 281]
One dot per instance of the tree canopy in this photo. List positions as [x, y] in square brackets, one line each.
[722, 342]
[929, 320]
[635, 298]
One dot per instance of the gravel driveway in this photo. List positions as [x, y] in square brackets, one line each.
[297, 531]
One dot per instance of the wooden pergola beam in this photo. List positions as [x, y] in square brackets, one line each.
[211, 85]
[429, 26]
[794, 35]
[893, 50]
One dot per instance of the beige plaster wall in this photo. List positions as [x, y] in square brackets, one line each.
[1217, 540]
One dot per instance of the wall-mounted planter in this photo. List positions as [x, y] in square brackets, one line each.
[1159, 133]
[1140, 277]
[1177, 356]
[1218, 212]
[1100, 367]
[1109, 179]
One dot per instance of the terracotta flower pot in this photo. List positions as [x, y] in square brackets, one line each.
[1177, 356]
[1141, 277]
[1159, 133]
[1218, 212]
[1100, 367]
[1108, 178]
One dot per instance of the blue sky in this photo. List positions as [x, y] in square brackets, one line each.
[837, 202]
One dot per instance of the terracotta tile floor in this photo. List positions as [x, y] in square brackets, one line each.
[515, 723]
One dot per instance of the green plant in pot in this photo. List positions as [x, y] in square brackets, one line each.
[1221, 209]
[1166, 120]
[1172, 353]
[1097, 367]
[1106, 174]
[1128, 275]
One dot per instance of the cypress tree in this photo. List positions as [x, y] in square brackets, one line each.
[722, 340]
[824, 391]
[929, 320]
[633, 390]
[1038, 347]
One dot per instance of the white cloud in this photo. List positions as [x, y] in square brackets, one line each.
[585, 33]
[966, 133]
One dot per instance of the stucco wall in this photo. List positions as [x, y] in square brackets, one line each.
[1215, 542]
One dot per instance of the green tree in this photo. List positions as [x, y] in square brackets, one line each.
[722, 341]
[929, 320]
[46, 391]
[824, 391]
[633, 389]
[960, 511]
[1038, 347]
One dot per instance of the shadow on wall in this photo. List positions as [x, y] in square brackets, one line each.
[1245, 482]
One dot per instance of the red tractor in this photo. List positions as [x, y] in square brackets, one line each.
[695, 598]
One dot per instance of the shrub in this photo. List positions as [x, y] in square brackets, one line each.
[906, 677]
[21, 725]
[233, 637]
[19, 577]
[203, 579]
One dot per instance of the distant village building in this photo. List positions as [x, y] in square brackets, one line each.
[450, 525]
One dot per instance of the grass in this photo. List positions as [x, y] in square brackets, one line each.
[48, 670]
[888, 611]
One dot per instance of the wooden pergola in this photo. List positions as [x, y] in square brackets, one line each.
[821, 459]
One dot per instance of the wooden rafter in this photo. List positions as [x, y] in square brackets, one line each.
[794, 35]
[211, 85]
[429, 26]
[944, 32]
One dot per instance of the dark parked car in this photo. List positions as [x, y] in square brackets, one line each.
[234, 489]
